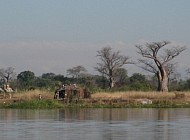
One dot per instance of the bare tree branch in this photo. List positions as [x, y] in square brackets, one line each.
[110, 62]
[7, 74]
[163, 66]
[148, 66]
[172, 53]
[76, 71]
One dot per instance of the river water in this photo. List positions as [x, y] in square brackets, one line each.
[95, 124]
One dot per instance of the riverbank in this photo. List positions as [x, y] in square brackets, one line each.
[44, 100]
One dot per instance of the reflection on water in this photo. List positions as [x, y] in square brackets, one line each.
[95, 124]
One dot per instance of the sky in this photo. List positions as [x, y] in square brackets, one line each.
[54, 35]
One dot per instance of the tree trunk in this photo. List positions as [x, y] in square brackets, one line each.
[162, 81]
[159, 80]
[111, 82]
[164, 84]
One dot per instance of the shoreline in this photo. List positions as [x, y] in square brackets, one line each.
[31, 100]
[92, 103]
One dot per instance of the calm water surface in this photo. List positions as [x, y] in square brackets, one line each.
[95, 124]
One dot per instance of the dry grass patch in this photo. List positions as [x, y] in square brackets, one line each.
[136, 95]
[187, 94]
[28, 95]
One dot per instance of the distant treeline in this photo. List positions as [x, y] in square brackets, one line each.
[27, 80]
[113, 76]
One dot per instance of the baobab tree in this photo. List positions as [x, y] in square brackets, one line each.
[159, 62]
[7, 74]
[110, 63]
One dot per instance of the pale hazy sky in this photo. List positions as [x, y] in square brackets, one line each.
[55, 35]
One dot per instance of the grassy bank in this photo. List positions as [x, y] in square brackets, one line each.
[30, 99]
[33, 104]
[143, 99]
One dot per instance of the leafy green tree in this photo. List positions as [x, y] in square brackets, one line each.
[26, 79]
[186, 84]
[94, 82]
[138, 82]
[100, 82]
[137, 77]
[60, 78]
[44, 83]
[48, 75]
[121, 77]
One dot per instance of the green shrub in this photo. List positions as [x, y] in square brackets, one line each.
[35, 104]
